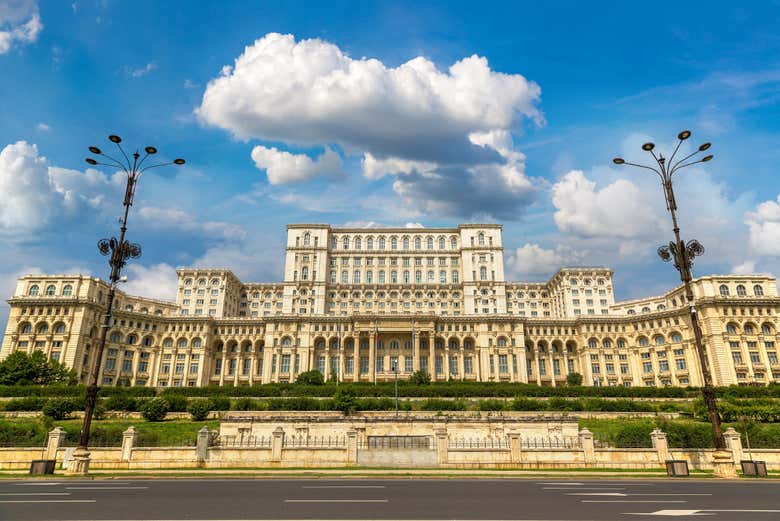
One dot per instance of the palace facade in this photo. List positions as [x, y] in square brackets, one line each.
[360, 304]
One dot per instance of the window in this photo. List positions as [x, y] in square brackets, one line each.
[67, 291]
[406, 243]
[758, 290]
[737, 357]
[647, 367]
[483, 273]
[659, 340]
[285, 364]
[33, 291]
[724, 290]
[502, 364]
[51, 290]
[676, 337]
[741, 290]
[430, 243]
[643, 341]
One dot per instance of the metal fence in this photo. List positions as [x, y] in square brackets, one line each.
[247, 441]
[315, 442]
[553, 442]
[480, 443]
[396, 442]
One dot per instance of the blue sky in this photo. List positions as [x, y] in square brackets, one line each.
[387, 113]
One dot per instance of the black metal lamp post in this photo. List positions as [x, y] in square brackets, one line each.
[682, 254]
[118, 251]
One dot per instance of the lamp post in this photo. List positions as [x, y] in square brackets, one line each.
[118, 251]
[682, 254]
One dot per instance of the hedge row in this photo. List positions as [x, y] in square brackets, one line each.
[453, 389]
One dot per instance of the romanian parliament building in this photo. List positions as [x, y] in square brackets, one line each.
[374, 304]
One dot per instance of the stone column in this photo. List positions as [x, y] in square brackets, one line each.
[276, 444]
[588, 447]
[442, 446]
[538, 368]
[54, 442]
[522, 366]
[432, 357]
[352, 447]
[134, 367]
[239, 367]
[446, 362]
[223, 369]
[202, 445]
[327, 364]
[723, 464]
[733, 442]
[552, 367]
[372, 358]
[416, 353]
[516, 446]
[660, 444]
[129, 438]
[79, 465]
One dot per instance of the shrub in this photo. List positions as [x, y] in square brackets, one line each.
[634, 435]
[524, 404]
[121, 402]
[491, 405]
[574, 379]
[244, 404]
[59, 408]
[198, 409]
[433, 404]
[420, 378]
[31, 403]
[688, 434]
[219, 403]
[313, 377]
[154, 410]
[176, 403]
[300, 403]
[345, 400]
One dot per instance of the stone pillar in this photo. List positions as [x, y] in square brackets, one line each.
[372, 358]
[588, 447]
[416, 353]
[432, 357]
[660, 444]
[442, 446]
[723, 464]
[352, 447]
[202, 445]
[276, 444]
[733, 442]
[223, 369]
[54, 442]
[129, 438]
[516, 446]
[538, 368]
[446, 362]
[239, 367]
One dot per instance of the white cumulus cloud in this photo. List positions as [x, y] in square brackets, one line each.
[20, 22]
[172, 218]
[283, 167]
[155, 281]
[311, 92]
[531, 259]
[764, 226]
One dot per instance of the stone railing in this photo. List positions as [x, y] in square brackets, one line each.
[444, 451]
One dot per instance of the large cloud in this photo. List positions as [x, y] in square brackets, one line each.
[156, 281]
[20, 22]
[283, 167]
[176, 219]
[310, 92]
[764, 225]
[532, 259]
[617, 210]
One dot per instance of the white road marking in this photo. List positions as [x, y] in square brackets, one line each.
[563, 483]
[48, 500]
[627, 494]
[35, 494]
[583, 488]
[701, 512]
[344, 486]
[106, 488]
[336, 500]
[634, 501]
[36, 484]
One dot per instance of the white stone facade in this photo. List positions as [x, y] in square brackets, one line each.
[354, 303]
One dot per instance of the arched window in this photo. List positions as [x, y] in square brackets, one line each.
[306, 239]
[115, 337]
[131, 339]
[607, 343]
[304, 273]
[286, 342]
[442, 277]
[168, 342]
[406, 243]
[370, 243]
[345, 243]
[417, 243]
[381, 243]
[481, 239]
[147, 341]
[67, 291]
[468, 344]
[645, 309]
[59, 328]
[394, 344]
[196, 342]
[749, 329]
[51, 290]
[731, 329]
[643, 341]
[483, 273]
[43, 327]
[454, 243]
[766, 329]
[631, 312]
[501, 342]
[741, 290]
[25, 328]
[659, 340]
[676, 337]
[593, 343]
[182, 343]
[33, 291]
[621, 343]
[393, 243]
[758, 290]
[358, 243]
[188, 282]
[724, 290]
[442, 243]
[201, 282]
[429, 243]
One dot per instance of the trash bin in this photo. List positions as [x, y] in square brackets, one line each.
[42, 466]
[677, 468]
[753, 468]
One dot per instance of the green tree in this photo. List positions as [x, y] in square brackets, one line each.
[310, 378]
[345, 400]
[199, 410]
[23, 369]
[154, 410]
[420, 378]
[574, 379]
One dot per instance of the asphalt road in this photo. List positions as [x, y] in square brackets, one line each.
[407, 499]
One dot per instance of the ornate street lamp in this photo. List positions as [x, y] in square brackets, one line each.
[683, 253]
[118, 251]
